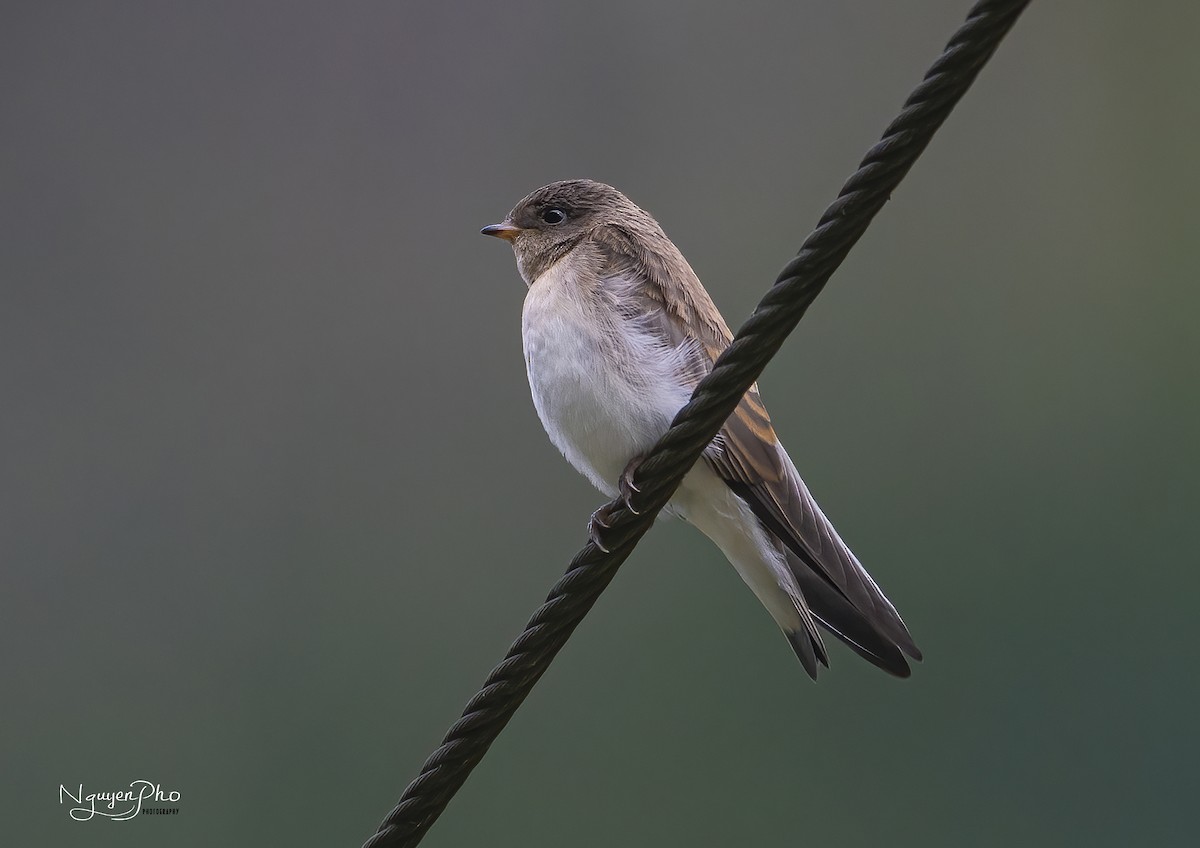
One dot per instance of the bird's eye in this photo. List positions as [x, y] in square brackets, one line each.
[554, 216]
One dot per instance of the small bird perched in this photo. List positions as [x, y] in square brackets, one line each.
[617, 332]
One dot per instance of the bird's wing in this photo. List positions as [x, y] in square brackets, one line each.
[747, 455]
[839, 591]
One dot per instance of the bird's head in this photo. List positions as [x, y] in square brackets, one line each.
[546, 224]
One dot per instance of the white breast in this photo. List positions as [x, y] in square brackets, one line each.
[604, 388]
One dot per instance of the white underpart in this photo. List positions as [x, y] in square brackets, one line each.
[605, 390]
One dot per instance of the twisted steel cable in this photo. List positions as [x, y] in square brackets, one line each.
[713, 401]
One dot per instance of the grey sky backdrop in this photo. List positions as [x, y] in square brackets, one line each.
[273, 498]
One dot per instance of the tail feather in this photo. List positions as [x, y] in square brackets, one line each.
[839, 617]
[852, 607]
[806, 641]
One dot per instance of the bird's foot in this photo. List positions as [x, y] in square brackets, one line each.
[601, 521]
[598, 525]
[629, 490]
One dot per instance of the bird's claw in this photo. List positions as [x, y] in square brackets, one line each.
[627, 487]
[598, 525]
[601, 521]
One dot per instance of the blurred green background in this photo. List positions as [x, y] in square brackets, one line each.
[273, 498]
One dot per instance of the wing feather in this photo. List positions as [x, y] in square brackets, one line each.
[747, 455]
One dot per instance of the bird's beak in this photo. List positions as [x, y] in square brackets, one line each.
[504, 230]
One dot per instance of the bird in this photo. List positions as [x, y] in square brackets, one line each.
[617, 330]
